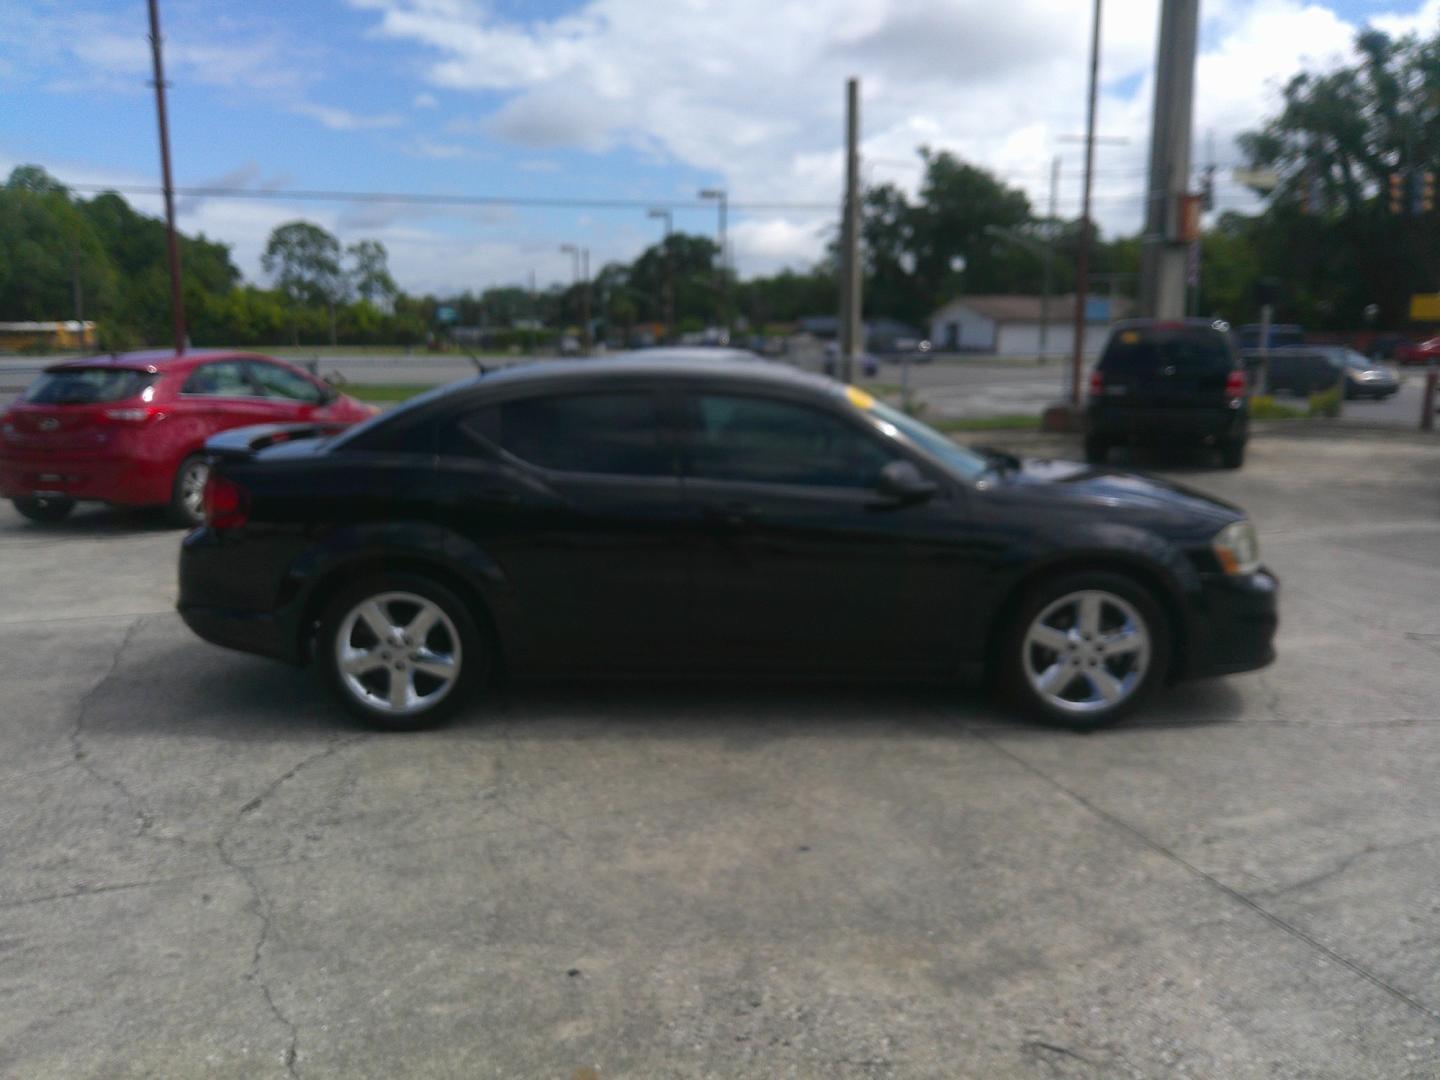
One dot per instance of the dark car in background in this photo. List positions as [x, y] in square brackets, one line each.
[129, 428]
[1172, 383]
[1280, 335]
[1312, 369]
[707, 518]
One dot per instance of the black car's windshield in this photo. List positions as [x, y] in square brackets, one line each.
[966, 462]
[84, 386]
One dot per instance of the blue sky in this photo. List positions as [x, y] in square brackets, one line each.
[629, 99]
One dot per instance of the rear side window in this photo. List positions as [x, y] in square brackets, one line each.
[82, 386]
[1196, 351]
[616, 434]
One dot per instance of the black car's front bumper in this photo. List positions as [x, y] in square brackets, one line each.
[1233, 628]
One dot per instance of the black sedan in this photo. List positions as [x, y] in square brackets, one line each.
[709, 518]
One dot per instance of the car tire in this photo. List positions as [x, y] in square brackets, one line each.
[45, 509]
[386, 682]
[1097, 450]
[1232, 454]
[1037, 653]
[187, 492]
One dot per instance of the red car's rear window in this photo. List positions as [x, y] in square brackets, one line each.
[85, 386]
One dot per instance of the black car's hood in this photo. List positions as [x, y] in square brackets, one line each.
[1045, 480]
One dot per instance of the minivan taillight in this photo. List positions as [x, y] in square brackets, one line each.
[227, 504]
[1097, 383]
[1235, 385]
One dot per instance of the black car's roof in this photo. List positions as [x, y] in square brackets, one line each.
[662, 363]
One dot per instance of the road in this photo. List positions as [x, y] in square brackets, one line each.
[208, 871]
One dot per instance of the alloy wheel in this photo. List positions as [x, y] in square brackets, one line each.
[192, 489]
[1087, 652]
[398, 653]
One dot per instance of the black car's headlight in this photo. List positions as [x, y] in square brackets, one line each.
[1237, 548]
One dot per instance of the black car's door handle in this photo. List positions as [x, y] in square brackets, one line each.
[731, 514]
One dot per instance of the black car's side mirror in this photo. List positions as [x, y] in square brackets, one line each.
[902, 482]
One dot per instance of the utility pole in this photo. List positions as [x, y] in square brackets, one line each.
[177, 302]
[1164, 258]
[585, 338]
[722, 284]
[1082, 259]
[851, 329]
[669, 219]
[1049, 259]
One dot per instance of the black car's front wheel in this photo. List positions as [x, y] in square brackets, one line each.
[402, 651]
[1085, 649]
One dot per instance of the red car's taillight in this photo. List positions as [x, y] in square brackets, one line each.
[227, 505]
[1097, 383]
[1235, 385]
[137, 415]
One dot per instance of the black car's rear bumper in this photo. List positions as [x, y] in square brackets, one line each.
[1159, 424]
[1234, 626]
[228, 596]
[260, 632]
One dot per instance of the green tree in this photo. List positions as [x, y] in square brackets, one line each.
[304, 262]
[370, 272]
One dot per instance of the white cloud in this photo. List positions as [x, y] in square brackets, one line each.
[425, 101]
[337, 119]
[752, 90]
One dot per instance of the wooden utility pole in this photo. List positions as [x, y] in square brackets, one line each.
[1082, 259]
[851, 330]
[172, 246]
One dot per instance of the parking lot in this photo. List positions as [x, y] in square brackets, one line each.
[209, 871]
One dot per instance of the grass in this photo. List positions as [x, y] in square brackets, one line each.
[1263, 407]
[1007, 422]
[384, 393]
[339, 352]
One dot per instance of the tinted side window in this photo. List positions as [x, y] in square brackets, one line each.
[225, 378]
[762, 440]
[82, 386]
[276, 382]
[617, 434]
[1193, 351]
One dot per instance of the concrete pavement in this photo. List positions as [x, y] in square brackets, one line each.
[210, 872]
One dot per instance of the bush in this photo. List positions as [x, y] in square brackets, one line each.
[1265, 407]
[1326, 403]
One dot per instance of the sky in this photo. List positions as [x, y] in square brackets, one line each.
[631, 100]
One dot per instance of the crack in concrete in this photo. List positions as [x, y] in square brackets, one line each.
[1235, 894]
[80, 755]
[262, 905]
[1345, 863]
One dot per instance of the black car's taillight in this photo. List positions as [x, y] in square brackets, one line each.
[227, 504]
[1097, 383]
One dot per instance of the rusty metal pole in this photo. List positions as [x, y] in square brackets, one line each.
[177, 302]
[1427, 400]
[1082, 259]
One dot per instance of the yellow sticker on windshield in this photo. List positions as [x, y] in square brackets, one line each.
[859, 398]
[1130, 337]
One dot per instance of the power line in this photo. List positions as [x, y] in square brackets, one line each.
[423, 199]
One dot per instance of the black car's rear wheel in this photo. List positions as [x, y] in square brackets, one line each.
[1097, 449]
[1085, 649]
[46, 509]
[401, 651]
[1232, 454]
[187, 493]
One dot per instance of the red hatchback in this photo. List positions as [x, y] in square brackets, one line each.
[130, 429]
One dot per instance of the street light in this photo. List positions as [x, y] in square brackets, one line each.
[579, 255]
[669, 218]
[723, 285]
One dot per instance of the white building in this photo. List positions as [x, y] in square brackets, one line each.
[1012, 325]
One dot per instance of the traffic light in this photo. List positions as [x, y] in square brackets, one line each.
[1397, 193]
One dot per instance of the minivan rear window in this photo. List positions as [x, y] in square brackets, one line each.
[84, 386]
[1187, 350]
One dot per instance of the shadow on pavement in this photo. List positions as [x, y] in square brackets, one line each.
[90, 520]
[233, 696]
